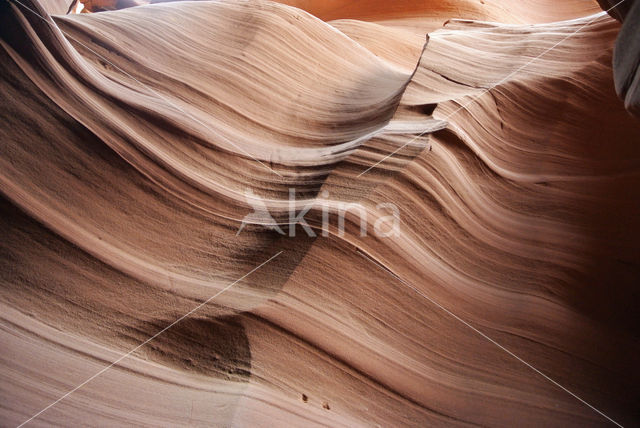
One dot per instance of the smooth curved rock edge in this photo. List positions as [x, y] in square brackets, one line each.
[129, 144]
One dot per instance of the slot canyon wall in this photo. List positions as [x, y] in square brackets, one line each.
[136, 143]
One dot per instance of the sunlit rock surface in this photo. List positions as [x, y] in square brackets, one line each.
[134, 143]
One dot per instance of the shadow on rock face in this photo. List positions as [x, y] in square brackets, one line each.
[214, 347]
[626, 55]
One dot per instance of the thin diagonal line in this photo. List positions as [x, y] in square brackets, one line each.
[153, 91]
[484, 335]
[475, 97]
[150, 339]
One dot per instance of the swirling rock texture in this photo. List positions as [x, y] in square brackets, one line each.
[135, 142]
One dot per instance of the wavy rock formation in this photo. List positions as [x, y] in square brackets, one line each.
[136, 144]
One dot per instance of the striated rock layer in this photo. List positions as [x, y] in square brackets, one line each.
[135, 143]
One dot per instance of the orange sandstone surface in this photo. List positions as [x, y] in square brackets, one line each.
[152, 272]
